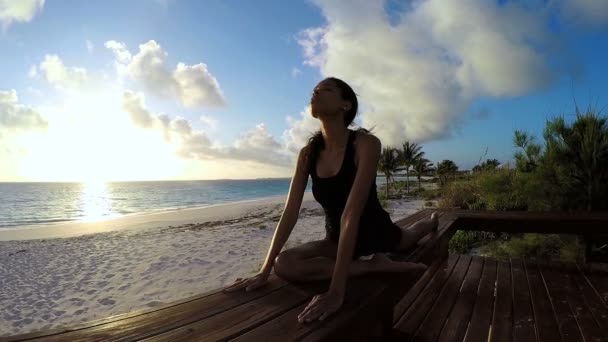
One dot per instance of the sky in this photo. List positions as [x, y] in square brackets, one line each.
[216, 89]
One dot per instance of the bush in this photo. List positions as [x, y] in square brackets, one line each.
[461, 194]
[428, 203]
[531, 245]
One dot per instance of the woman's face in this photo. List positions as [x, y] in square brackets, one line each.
[326, 99]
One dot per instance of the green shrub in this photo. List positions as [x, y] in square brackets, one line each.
[461, 194]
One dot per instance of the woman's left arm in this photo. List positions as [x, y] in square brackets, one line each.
[368, 154]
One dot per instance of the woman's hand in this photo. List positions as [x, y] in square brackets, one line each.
[321, 307]
[249, 284]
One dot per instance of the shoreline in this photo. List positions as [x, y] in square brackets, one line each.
[139, 220]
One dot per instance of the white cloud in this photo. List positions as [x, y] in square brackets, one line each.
[256, 145]
[295, 72]
[209, 122]
[417, 77]
[18, 11]
[586, 13]
[191, 85]
[120, 51]
[14, 115]
[90, 46]
[299, 130]
[56, 73]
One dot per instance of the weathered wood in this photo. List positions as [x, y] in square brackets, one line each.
[586, 322]
[479, 326]
[415, 291]
[368, 299]
[430, 328]
[565, 319]
[408, 324]
[503, 313]
[593, 301]
[458, 320]
[158, 320]
[532, 222]
[523, 316]
[231, 323]
[546, 326]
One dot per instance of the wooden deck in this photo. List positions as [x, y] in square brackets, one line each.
[471, 298]
[458, 298]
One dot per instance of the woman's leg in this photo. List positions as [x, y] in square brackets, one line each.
[315, 260]
[412, 234]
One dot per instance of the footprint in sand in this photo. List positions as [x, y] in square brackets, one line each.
[102, 283]
[108, 276]
[90, 292]
[45, 317]
[106, 301]
[154, 303]
[124, 287]
[58, 313]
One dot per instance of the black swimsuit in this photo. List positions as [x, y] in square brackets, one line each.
[377, 232]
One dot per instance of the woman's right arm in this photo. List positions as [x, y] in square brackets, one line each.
[292, 209]
[284, 228]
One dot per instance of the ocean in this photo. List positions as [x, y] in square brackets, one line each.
[24, 204]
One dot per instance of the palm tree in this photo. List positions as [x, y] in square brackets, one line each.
[489, 164]
[408, 156]
[422, 166]
[445, 168]
[388, 164]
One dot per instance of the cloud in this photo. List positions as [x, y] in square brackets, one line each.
[57, 74]
[14, 115]
[209, 122]
[586, 13]
[418, 76]
[191, 85]
[18, 11]
[295, 72]
[90, 46]
[255, 145]
[299, 130]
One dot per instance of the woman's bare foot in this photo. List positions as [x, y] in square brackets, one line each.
[435, 220]
[382, 263]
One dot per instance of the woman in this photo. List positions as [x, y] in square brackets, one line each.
[342, 164]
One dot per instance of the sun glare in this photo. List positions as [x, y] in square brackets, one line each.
[91, 139]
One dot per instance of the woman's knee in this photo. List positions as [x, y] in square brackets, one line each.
[285, 263]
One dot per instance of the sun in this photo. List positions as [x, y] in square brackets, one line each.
[91, 139]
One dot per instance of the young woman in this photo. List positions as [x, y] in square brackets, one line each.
[342, 164]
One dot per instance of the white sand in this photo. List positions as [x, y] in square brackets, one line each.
[139, 262]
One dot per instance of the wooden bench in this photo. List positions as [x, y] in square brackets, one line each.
[268, 314]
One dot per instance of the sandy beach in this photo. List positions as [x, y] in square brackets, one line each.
[71, 273]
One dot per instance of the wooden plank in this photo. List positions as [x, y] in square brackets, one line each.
[413, 317]
[273, 280]
[162, 320]
[566, 322]
[503, 311]
[586, 322]
[523, 316]
[355, 323]
[361, 307]
[420, 285]
[593, 301]
[546, 325]
[430, 328]
[479, 326]
[530, 222]
[458, 320]
[599, 281]
[236, 321]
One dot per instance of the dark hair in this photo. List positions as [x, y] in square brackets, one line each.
[316, 140]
